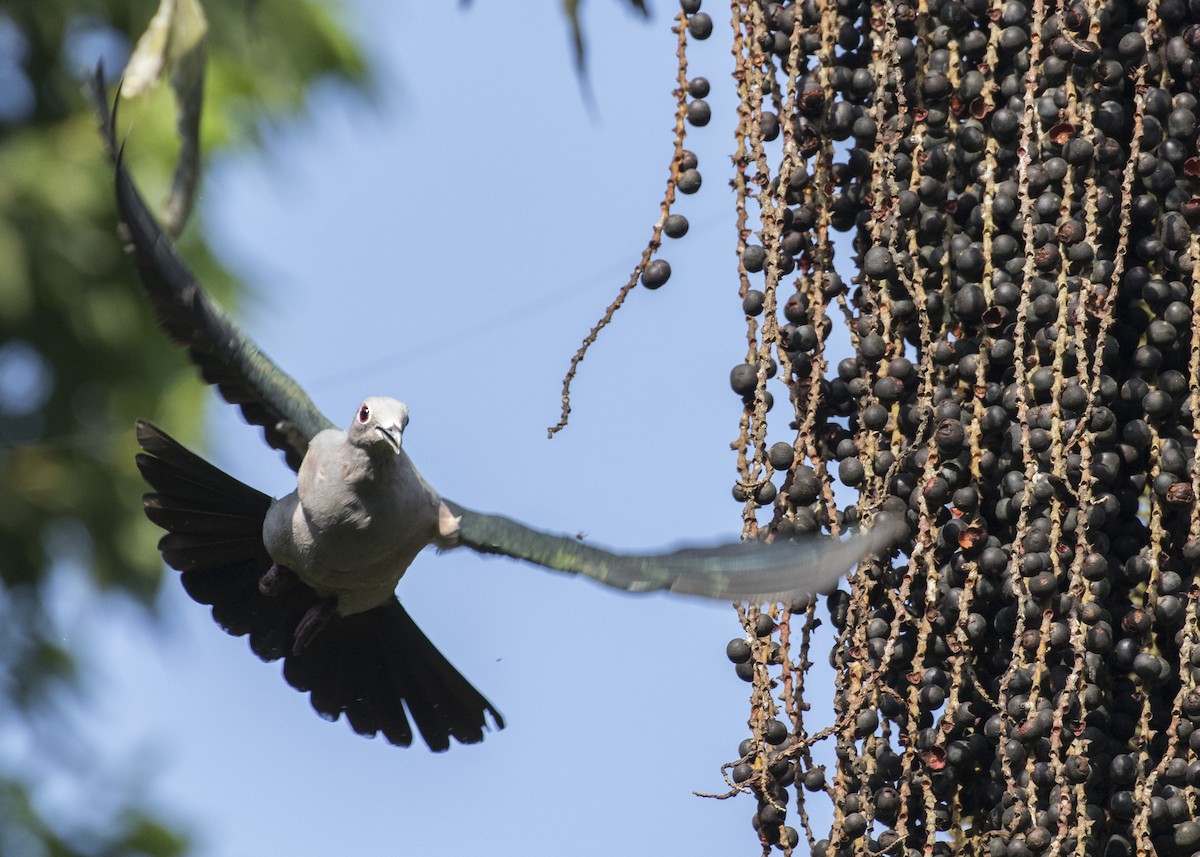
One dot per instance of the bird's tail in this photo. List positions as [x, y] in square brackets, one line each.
[365, 663]
[368, 665]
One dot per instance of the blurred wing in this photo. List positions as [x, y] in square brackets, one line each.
[226, 357]
[741, 571]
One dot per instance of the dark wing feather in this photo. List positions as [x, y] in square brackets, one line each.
[214, 537]
[742, 571]
[267, 396]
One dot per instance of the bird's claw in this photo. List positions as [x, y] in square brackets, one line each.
[276, 580]
[312, 623]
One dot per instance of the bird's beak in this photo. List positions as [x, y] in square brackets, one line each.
[393, 435]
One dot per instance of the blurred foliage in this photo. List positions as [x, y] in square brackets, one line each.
[80, 357]
[174, 46]
[572, 8]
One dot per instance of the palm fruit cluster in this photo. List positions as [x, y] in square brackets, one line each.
[1018, 177]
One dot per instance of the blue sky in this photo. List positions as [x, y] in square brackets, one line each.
[450, 246]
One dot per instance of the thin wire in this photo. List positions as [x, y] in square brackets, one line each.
[533, 307]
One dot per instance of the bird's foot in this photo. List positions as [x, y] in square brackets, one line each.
[276, 580]
[312, 623]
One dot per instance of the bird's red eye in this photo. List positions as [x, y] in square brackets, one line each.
[364, 414]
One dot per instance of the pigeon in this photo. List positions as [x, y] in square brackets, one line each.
[330, 612]
[310, 578]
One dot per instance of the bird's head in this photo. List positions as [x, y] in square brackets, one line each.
[378, 425]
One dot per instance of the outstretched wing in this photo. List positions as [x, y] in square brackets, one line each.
[226, 357]
[271, 399]
[739, 571]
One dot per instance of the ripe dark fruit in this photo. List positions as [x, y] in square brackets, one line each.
[752, 303]
[775, 732]
[769, 126]
[699, 113]
[781, 455]
[764, 625]
[738, 651]
[675, 226]
[700, 25]
[656, 273]
[743, 378]
[851, 471]
[689, 181]
[879, 263]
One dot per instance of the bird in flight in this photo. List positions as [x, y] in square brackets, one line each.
[310, 577]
